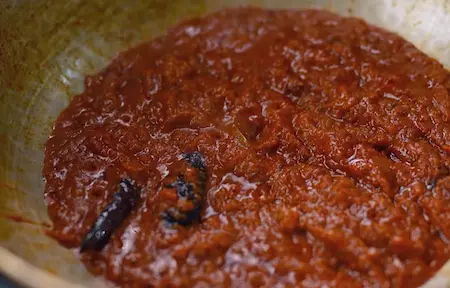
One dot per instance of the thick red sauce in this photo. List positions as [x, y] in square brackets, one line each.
[327, 146]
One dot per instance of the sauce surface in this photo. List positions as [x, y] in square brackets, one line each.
[326, 143]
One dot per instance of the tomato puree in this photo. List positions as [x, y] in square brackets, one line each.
[325, 143]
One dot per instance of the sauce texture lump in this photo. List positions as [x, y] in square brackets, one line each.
[326, 143]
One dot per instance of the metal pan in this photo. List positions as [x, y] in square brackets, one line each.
[45, 49]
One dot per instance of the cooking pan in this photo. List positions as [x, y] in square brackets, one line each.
[46, 48]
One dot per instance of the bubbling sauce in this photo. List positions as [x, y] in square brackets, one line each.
[326, 144]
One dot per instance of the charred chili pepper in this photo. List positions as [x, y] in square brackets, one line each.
[190, 186]
[112, 216]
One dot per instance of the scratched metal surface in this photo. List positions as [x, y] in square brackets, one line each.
[47, 46]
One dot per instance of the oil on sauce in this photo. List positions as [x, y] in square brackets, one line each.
[326, 143]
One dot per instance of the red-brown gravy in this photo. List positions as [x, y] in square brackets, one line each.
[326, 141]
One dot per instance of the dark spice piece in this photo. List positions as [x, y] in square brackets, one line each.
[196, 160]
[190, 190]
[112, 216]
